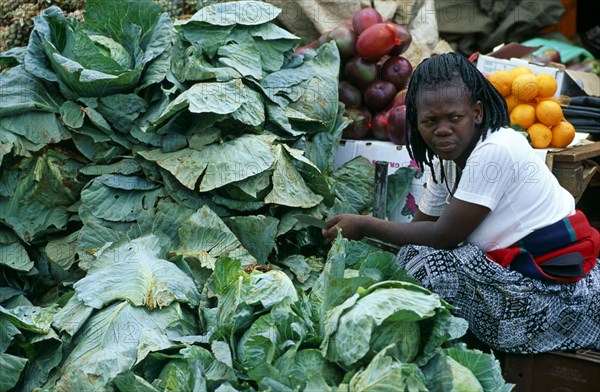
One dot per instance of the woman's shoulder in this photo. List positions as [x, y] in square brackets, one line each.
[506, 139]
[505, 135]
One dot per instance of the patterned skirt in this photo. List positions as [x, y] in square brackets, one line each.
[505, 310]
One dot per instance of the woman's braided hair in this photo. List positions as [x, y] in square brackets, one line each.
[446, 70]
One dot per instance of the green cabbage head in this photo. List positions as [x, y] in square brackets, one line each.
[118, 49]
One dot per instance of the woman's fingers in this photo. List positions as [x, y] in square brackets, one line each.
[329, 233]
[333, 221]
[349, 224]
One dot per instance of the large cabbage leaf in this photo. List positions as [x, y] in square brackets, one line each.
[117, 337]
[385, 373]
[204, 236]
[289, 188]
[256, 233]
[484, 366]
[28, 114]
[12, 252]
[217, 164]
[21, 92]
[238, 12]
[443, 373]
[45, 354]
[308, 92]
[198, 369]
[303, 369]
[30, 318]
[135, 209]
[245, 296]
[353, 186]
[218, 97]
[11, 366]
[135, 271]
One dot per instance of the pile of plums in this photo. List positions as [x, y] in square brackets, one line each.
[374, 74]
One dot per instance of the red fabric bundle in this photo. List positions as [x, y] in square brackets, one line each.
[570, 242]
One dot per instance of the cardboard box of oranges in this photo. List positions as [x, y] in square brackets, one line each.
[532, 94]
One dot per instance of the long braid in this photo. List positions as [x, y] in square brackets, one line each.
[444, 70]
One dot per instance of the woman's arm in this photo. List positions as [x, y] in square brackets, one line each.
[421, 216]
[457, 222]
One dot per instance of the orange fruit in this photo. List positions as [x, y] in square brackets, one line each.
[549, 113]
[523, 115]
[502, 81]
[563, 134]
[547, 85]
[525, 87]
[540, 135]
[520, 70]
[511, 102]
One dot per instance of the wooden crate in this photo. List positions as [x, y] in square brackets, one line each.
[576, 167]
[553, 372]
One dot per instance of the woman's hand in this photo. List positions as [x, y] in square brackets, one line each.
[455, 225]
[352, 227]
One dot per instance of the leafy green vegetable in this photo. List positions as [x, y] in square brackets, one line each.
[443, 373]
[240, 12]
[221, 164]
[130, 35]
[156, 282]
[11, 366]
[204, 236]
[126, 332]
[483, 366]
[385, 373]
[12, 253]
[35, 194]
[352, 338]
[354, 187]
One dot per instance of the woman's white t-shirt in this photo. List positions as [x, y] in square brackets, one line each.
[504, 174]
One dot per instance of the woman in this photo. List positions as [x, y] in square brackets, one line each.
[495, 235]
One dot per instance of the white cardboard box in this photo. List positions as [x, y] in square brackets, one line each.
[376, 150]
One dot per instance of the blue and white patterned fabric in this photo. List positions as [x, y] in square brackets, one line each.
[506, 310]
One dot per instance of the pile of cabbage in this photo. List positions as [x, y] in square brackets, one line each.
[150, 172]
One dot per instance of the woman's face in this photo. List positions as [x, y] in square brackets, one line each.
[449, 122]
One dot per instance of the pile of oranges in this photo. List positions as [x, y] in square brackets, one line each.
[533, 107]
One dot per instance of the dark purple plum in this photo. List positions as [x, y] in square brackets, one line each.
[360, 73]
[397, 70]
[379, 125]
[396, 123]
[350, 95]
[379, 94]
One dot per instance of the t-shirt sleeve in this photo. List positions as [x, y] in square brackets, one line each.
[488, 173]
[433, 202]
